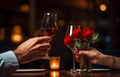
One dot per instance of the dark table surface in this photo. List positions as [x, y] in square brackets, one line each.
[66, 73]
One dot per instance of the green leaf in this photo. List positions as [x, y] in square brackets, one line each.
[94, 37]
[77, 43]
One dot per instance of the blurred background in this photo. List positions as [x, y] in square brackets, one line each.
[21, 20]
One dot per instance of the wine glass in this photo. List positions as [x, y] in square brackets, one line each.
[71, 44]
[49, 26]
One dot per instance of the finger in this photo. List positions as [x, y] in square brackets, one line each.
[44, 39]
[37, 54]
[40, 53]
[42, 46]
[76, 52]
[82, 52]
[45, 46]
[77, 58]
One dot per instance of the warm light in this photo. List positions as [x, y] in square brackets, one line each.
[16, 36]
[82, 3]
[54, 62]
[54, 74]
[37, 33]
[103, 7]
[2, 34]
[78, 3]
[61, 23]
[25, 8]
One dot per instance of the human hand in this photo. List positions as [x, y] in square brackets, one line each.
[33, 49]
[93, 55]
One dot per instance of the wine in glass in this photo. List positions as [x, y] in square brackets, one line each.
[49, 26]
[69, 42]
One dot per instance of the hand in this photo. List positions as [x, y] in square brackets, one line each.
[93, 55]
[33, 49]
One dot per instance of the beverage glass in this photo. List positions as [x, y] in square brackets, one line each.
[49, 26]
[71, 44]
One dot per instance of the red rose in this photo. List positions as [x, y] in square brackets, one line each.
[86, 33]
[76, 33]
[68, 40]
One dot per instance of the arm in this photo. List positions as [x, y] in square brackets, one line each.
[110, 61]
[28, 51]
[97, 57]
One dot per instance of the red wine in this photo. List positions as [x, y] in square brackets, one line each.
[48, 31]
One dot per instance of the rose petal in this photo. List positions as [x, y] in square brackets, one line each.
[87, 33]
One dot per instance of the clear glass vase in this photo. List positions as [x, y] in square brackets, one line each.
[85, 64]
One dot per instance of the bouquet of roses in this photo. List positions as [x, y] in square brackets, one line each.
[80, 38]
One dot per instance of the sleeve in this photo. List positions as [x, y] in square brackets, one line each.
[8, 63]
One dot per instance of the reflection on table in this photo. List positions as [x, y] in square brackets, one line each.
[66, 73]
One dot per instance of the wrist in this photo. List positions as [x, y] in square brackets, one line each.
[113, 62]
[107, 60]
[100, 59]
[17, 55]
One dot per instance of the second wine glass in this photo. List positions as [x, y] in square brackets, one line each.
[49, 26]
[70, 42]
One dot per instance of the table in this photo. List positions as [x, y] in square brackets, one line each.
[66, 73]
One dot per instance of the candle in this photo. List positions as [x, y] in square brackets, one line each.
[54, 62]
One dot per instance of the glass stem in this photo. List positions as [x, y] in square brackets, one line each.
[74, 67]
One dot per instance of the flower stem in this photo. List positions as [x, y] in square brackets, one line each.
[85, 64]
